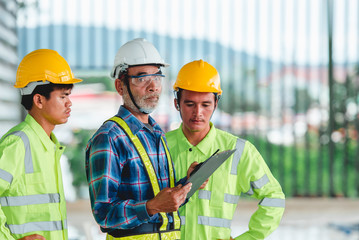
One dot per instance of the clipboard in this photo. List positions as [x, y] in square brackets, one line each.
[205, 169]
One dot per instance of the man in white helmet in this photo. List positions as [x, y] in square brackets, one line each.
[129, 170]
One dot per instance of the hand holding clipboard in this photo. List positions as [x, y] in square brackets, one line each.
[205, 169]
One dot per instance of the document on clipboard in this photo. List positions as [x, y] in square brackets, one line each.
[205, 169]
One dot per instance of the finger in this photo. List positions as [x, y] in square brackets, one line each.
[193, 164]
[187, 187]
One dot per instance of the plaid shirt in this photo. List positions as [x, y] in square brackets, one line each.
[118, 183]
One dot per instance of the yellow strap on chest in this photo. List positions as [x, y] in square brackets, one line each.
[150, 170]
[177, 221]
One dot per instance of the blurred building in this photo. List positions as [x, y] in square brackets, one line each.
[10, 110]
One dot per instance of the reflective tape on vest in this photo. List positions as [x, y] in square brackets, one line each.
[28, 157]
[176, 219]
[214, 222]
[6, 176]
[229, 198]
[237, 155]
[272, 202]
[204, 194]
[30, 199]
[183, 220]
[36, 226]
[258, 184]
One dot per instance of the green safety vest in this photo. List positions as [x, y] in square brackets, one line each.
[31, 191]
[209, 212]
[164, 233]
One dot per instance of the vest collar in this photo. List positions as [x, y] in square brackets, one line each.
[204, 146]
[47, 142]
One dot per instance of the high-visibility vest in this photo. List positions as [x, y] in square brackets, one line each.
[163, 233]
[31, 191]
[208, 213]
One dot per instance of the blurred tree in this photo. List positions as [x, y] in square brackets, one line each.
[76, 155]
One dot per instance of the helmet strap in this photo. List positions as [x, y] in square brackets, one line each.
[127, 82]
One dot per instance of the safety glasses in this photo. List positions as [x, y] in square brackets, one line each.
[145, 80]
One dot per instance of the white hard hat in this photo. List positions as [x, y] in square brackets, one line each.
[138, 51]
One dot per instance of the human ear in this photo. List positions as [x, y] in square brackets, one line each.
[176, 104]
[38, 101]
[119, 86]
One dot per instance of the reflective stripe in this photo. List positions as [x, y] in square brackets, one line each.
[237, 155]
[30, 199]
[214, 222]
[250, 191]
[177, 221]
[149, 168]
[28, 157]
[272, 202]
[204, 194]
[257, 184]
[260, 182]
[35, 226]
[183, 220]
[229, 198]
[6, 176]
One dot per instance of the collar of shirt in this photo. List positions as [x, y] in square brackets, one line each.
[47, 142]
[204, 146]
[134, 124]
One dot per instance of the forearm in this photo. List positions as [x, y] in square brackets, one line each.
[121, 215]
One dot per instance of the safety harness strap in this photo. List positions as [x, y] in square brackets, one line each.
[173, 235]
[149, 168]
[177, 221]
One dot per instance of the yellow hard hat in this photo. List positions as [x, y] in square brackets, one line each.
[198, 76]
[44, 65]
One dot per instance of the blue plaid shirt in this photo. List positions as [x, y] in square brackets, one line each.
[118, 183]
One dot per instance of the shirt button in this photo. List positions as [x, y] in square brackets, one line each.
[190, 149]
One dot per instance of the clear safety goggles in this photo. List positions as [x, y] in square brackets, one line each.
[145, 80]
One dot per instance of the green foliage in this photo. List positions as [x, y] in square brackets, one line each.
[303, 169]
[76, 155]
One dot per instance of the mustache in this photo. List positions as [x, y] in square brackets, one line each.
[151, 95]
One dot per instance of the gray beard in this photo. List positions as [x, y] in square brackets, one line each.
[141, 102]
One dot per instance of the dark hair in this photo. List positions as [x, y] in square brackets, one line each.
[44, 90]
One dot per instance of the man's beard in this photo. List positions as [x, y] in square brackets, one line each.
[145, 106]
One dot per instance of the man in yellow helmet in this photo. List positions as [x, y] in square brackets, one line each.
[209, 212]
[129, 170]
[32, 201]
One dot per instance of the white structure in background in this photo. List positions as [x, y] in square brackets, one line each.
[10, 109]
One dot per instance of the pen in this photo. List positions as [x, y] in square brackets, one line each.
[215, 152]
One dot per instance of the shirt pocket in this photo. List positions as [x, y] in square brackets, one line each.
[37, 193]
